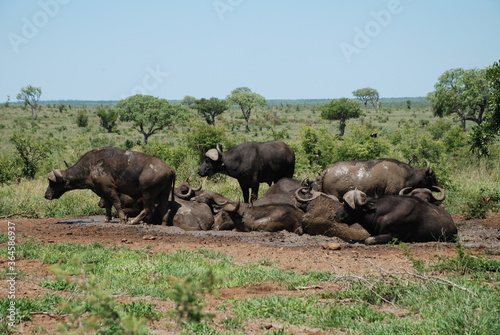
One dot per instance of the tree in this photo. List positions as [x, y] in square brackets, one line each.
[366, 95]
[108, 118]
[247, 100]
[484, 134]
[31, 150]
[342, 110]
[210, 108]
[188, 101]
[30, 96]
[461, 92]
[147, 113]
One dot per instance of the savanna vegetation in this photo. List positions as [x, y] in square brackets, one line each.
[443, 296]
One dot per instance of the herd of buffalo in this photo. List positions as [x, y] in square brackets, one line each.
[375, 200]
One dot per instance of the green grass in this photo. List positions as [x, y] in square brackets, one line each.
[448, 295]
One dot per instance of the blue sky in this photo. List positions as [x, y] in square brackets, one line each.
[281, 49]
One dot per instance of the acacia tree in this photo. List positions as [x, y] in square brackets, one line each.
[461, 92]
[30, 96]
[366, 95]
[210, 108]
[247, 100]
[147, 113]
[342, 110]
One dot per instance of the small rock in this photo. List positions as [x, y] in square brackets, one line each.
[149, 237]
[332, 246]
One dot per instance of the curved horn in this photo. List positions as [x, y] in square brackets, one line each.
[441, 195]
[219, 150]
[305, 182]
[303, 200]
[232, 207]
[428, 169]
[186, 195]
[404, 191]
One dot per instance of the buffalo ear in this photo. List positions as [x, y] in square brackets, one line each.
[55, 176]
[213, 154]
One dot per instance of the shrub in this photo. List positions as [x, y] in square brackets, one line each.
[82, 119]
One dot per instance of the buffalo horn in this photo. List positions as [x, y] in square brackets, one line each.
[232, 207]
[219, 150]
[428, 169]
[302, 199]
[441, 191]
[404, 191]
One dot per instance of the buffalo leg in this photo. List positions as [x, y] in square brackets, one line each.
[149, 205]
[114, 199]
[379, 239]
[245, 190]
[255, 190]
[103, 203]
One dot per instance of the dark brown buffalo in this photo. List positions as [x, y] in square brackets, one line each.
[401, 217]
[110, 172]
[272, 213]
[319, 217]
[375, 177]
[251, 163]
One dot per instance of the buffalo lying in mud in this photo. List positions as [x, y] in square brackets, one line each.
[375, 177]
[110, 172]
[401, 217]
[271, 213]
[251, 163]
[319, 217]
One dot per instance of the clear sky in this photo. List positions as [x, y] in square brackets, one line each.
[281, 49]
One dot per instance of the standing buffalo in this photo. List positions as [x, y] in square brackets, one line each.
[375, 177]
[406, 218]
[251, 163]
[110, 172]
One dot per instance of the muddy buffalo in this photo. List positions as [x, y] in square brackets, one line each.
[375, 177]
[401, 217]
[110, 172]
[251, 163]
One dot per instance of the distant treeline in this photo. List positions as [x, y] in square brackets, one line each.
[415, 102]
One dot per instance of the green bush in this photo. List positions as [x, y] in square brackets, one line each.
[82, 119]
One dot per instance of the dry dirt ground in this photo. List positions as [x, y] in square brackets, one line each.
[285, 250]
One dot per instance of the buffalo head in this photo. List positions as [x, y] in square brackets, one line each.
[212, 164]
[354, 201]
[57, 185]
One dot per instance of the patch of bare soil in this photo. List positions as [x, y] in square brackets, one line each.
[283, 249]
